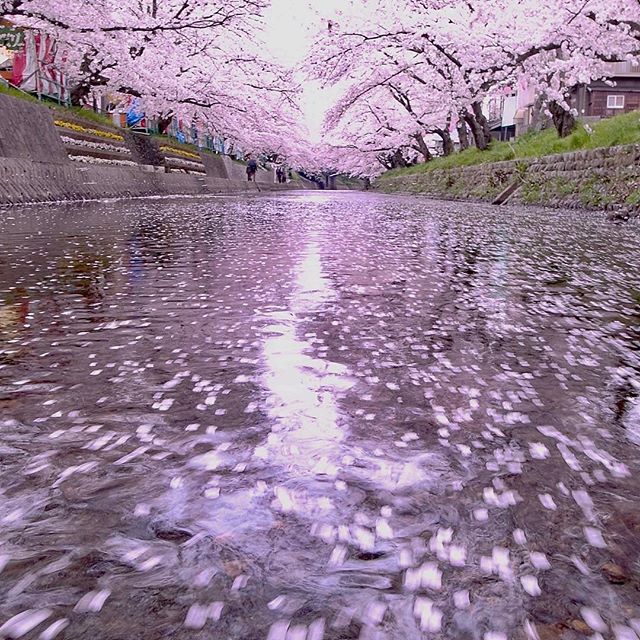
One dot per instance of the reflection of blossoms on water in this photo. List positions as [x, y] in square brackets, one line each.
[318, 416]
[14, 310]
[302, 386]
[303, 392]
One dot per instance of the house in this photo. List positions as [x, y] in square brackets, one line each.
[500, 111]
[526, 114]
[620, 93]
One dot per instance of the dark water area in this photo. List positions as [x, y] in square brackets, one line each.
[324, 415]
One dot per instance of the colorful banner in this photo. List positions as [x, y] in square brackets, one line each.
[25, 65]
[135, 115]
[34, 67]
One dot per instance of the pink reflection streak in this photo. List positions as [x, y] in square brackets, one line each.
[302, 388]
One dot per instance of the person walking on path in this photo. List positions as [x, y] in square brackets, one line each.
[252, 169]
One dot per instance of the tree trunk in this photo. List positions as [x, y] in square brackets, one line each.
[463, 133]
[563, 120]
[79, 93]
[539, 119]
[482, 121]
[164, 122]
[384, 161]
[397, 159]
[421, 147]
[89, 78]
[447, 142]
[478, 132]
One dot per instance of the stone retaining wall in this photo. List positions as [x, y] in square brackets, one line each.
[27, 131]
[23, 181]
[35, 165]
[215, 166]
[594, 179]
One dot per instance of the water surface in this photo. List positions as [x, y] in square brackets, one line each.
[318, 416]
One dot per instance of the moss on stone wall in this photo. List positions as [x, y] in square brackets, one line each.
[633, 199]
[589, 190]
[592, 179]
[472, 183]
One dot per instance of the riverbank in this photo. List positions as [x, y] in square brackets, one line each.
[606, 179]
[48, 157]
[580, 174]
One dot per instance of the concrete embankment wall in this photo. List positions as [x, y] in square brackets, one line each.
[23, 181]
[27, 132]
[43, 159]
[594, 179]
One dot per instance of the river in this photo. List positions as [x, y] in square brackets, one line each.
[318, 415]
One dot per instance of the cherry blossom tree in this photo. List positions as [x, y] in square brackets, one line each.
[437, 61]
[410, 70]
[199, 60]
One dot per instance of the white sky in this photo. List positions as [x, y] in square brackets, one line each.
[290, 25]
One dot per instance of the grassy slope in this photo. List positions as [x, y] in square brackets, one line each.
[84, 114]
[60, 110]
[623, 129]
[14, 93]
[88, 116]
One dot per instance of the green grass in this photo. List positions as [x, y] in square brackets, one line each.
[633, 198]
[86, 114]
[14, 93]
[172, 142]
[623, 129]
[60, 110]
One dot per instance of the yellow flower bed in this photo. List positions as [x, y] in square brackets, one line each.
[180, 152]
[95, 132]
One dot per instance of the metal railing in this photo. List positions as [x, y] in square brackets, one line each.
[39, 93]
[41, 81]
[149, 127]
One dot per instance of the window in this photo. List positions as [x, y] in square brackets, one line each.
[615, 102]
